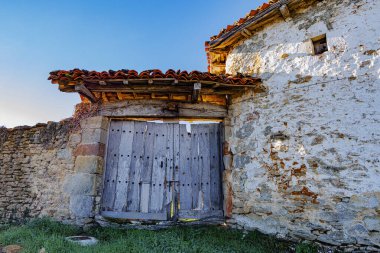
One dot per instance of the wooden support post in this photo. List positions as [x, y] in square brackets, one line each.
[196, 92]
[104, 97]
[82, 89]
[285, 13]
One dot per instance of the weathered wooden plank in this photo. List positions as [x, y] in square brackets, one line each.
[136, 167]
[199, 214]
[125, 153]
[135, 215]
[195, 179]
[159, 169]
[221, 135]
[176, 164]
[112, 165]
[169, 177]
[202, 110]
[215, 173]
[204, 165]
[146, 173]
[155, 108]
[185, 169]
[145, 194]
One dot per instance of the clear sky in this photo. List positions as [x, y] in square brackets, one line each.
[38, 36]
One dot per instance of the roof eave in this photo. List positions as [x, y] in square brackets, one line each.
[264, 17]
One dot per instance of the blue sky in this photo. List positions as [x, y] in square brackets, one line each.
[38, 36]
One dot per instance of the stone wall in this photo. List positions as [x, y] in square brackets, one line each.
[49, 170]
[33, 164]
[303, 160]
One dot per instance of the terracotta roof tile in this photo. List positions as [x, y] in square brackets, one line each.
[77, 75]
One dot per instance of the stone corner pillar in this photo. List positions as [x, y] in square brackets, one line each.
[84, 186]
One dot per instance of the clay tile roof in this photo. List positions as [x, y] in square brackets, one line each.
[242, 21]
[77, 76]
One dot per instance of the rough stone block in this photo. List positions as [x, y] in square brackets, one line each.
[80, 184]
[241, 160]
[74, 140]
[306, 234]
[372, 223]
[82, 206]
[90, 150]
[64, 154]
[336, 238]
[94, 123]
[93, 136]
[227, 159]
[89, 164]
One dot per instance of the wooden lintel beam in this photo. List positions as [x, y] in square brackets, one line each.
[159, 108]
[285, 12]
[82, 89]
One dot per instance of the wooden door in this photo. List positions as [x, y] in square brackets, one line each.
[155, 168]
[138, 161]
[200, 190]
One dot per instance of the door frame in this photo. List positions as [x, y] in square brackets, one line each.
[171, 212]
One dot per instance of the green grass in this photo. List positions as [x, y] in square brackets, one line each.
[43, 233]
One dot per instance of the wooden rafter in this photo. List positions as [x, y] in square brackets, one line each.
[285, 13]
[82, 89]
